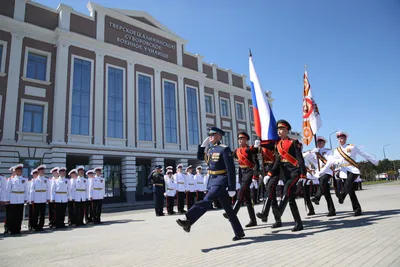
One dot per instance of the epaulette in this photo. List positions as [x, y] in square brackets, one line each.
[222, 145]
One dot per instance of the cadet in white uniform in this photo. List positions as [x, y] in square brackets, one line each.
[170, 190]
[306, 184]
[80, 190]
[71, 197]
[34, 174]
[190, 187]
[345, 157]
[199, 184]
[180, 180]
[52, 207]
[97, 190]
[38, 197]
[17, 193]
[3, 198]
[59, 196]
[89, 204]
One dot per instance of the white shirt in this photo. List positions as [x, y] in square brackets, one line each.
[71, 188]
[17, 190]
[3, 183]
[310, 161]
[97, 188]
[170, 186]
[81, 188]
[38, 192]
[60, 190]
[180, 180]
[199, 183]
[190, 183]
[344, 166]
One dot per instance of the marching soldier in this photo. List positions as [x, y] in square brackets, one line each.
[199, 184]
[38, 197]
[157, 179]
[190, 187]
[345, 156]
[80, 189]
[180, 180]
[89, 203]
[170, 191]
[97, 191]
[320, 157]
[222, 174]
[73, 174]
[52, 207]
[59, 196]
[17, 194]
[288, 160]
[247, 159]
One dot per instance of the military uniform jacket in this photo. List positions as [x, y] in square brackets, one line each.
[71, 182]
[17, 190]
[3, 185]
[180, 180]
[199, 183]
[190, 183]
[322, 158]
[60, 190]
[49, 185]
[247, 159]
[170, 186]
[97, 188]
[38, 192]
[80, 189]
[350, 151]
[221, 166]
[157, 179]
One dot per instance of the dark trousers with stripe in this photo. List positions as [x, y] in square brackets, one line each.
[190, 196]
[52, 222]
[181, 201]
[71, 212]
[158, 201]
[89, 211]
[245, 195]
[60, 209]
[199, 196]
[16, 212]
[30, 216]
[79, 212]
[324, 189]
[38, 214]
[348, 189]
[291, 176]
[170, 204]
[6, 218]
[97, 205]
[306, 190]
[217, 192]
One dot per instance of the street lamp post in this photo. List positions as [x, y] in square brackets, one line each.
[330, 142]
[383, 148]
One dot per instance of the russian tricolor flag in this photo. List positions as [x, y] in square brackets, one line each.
[264, 120]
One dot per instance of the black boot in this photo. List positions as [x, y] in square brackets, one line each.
[277, 224]
[331, 213]
[315, 201]
[283, 204]
[298, 227]
[263, 215]
[238, 237]
[251, 224]
[296, 216]
[235, 208]
[185, 224]
[310, 213]
[252, 215]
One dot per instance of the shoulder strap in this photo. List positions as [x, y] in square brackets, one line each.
[320, 157]
[347, 157]
[285, 155]
[243, 158]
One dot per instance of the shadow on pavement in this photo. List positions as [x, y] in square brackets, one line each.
[316, 226]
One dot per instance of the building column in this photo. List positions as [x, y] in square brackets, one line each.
[64, 17]
[19, 10]
[13, 78]
[230, 76]
[60, 93]
[217, 109]
[184, 162]
[214, 71]
[158, 112]
[99, 100]
[129, 177]
[244, 81]
[55, 159]
[199, 63]
[96, 160]
[101, 19]
[131, 117]
[179, 53]
[203, 126]
[157, 161]
[248, 121]
[234, 126]
[182, 112]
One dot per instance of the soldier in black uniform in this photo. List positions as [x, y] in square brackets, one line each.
[157, 180]
[221, 175]
[290, 163]
[248, 164]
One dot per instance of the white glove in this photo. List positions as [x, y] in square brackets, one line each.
[165, 194]
[205, 142]
[302, 180]
[232, 193]
[315, 150]
[317, 174]
[257, 143]
[266, 178]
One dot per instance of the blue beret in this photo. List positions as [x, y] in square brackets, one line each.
[215, 130]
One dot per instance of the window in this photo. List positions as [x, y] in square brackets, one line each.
[209, 104]
[36, 67]
[33, 118]
[239, 111]
[251, 113]
[192, 113]
[145, 114]
[226, 139]
[115, 104]
[81, 97]
[170, 112]
[224, 107]
[29, 165]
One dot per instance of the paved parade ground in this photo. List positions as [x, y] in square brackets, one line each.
[138, 238]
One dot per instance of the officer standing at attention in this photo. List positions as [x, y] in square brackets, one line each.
[59, 195]
[38, 197]
[80, 187]
[97, 193]
[248, 163]
[157, 179]
[180, 180]
[190, 187]
[222, 175]
[71, 197]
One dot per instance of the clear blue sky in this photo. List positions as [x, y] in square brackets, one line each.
[351, 48]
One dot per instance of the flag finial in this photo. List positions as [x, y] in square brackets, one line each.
[250, 52]
[305, 67]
